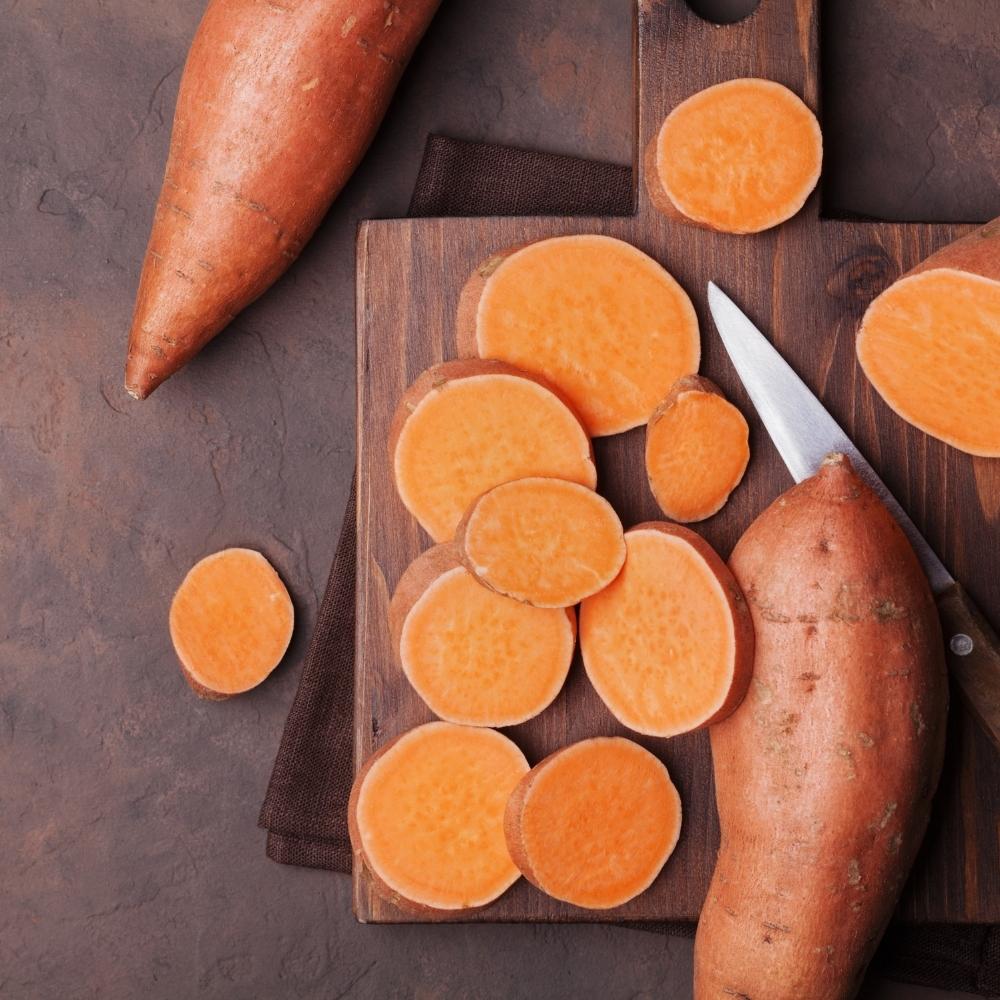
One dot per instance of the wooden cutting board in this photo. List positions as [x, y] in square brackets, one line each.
[806, 284]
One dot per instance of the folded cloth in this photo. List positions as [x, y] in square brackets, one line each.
[305, 810]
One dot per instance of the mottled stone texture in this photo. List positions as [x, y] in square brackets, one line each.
[131, 861]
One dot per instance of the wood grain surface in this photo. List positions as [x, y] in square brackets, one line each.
[806, 284]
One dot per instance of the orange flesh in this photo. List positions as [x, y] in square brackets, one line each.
[430, 815]
[740, 156]
[599, 822]
[231, 621]
[596, 317]
[483, 659]
[930, 344]
[544, 541]
[658, 643]
[696, 454]
[472, 434]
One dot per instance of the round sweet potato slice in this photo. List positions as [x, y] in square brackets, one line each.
[426, 817]
[546, 542]
[230, 622]
[594, 823]
[475, 656]
[697, 449]
[669, 644]
[466, 426]
[593, 315]
[930, 344]
[739, 157]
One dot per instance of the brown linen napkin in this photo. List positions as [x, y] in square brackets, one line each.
[305, 810]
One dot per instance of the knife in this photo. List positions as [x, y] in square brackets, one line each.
[804, 433]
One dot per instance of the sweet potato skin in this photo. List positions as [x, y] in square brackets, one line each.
[977, 252]
[278, 103]
[824, 775]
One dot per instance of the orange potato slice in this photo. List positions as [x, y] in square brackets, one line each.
[547, 542]
[669, 644]
[426, 817]
[593, 315]
[594, 823]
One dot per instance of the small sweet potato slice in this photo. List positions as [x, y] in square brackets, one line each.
[930, 344]
[475, 656]
[593, 315]
[426, 817]
[669, 644]
[547, 542]
[466, 426]
[230, 622]
[594, 823]
[738, 157]
[697, 449]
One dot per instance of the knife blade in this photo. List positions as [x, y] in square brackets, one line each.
[804, 432]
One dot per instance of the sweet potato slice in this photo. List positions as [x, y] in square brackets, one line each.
[669, 644]
[697, 449]
[595, 316]
[230, 622]
[738, 157]
[547, 542]
[930, 344]
[426, 817]
[594, 823]
[475, 656]
[466, 426]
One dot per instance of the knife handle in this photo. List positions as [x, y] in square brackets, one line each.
[972, 650]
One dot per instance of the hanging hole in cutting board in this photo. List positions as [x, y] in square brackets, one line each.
[911, 110]
[723, 11]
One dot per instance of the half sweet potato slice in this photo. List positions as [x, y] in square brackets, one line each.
[697, 449]
[547, 542]
[466, 426]
[426, 817]
[595, 316]
[594, 823]
[669, 644]
[475, 656]
[738, 157]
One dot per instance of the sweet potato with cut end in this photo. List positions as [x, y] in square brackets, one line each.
[277, 104]
[230, 622]
[697, 449]
[930, 344]
[426, 817]
[594, 823]
[825, 773]
[475, 656]
[669, 644]
[466, 426]
[596, 317]
[739, 157]
[547, 542]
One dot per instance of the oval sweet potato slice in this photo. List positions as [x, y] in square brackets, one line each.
[697, 449]
[466, 426]
[930, 344]
[547, 542]
[475, 656]
[669, 644]
[594, 823]
[593, 315]
[230, 622]
[426, 817]
[824, 775]
[738, 157]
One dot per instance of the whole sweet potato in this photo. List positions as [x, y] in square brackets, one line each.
[824, 775]
[277, 105]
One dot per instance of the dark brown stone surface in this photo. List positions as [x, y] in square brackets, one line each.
[131, 862]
